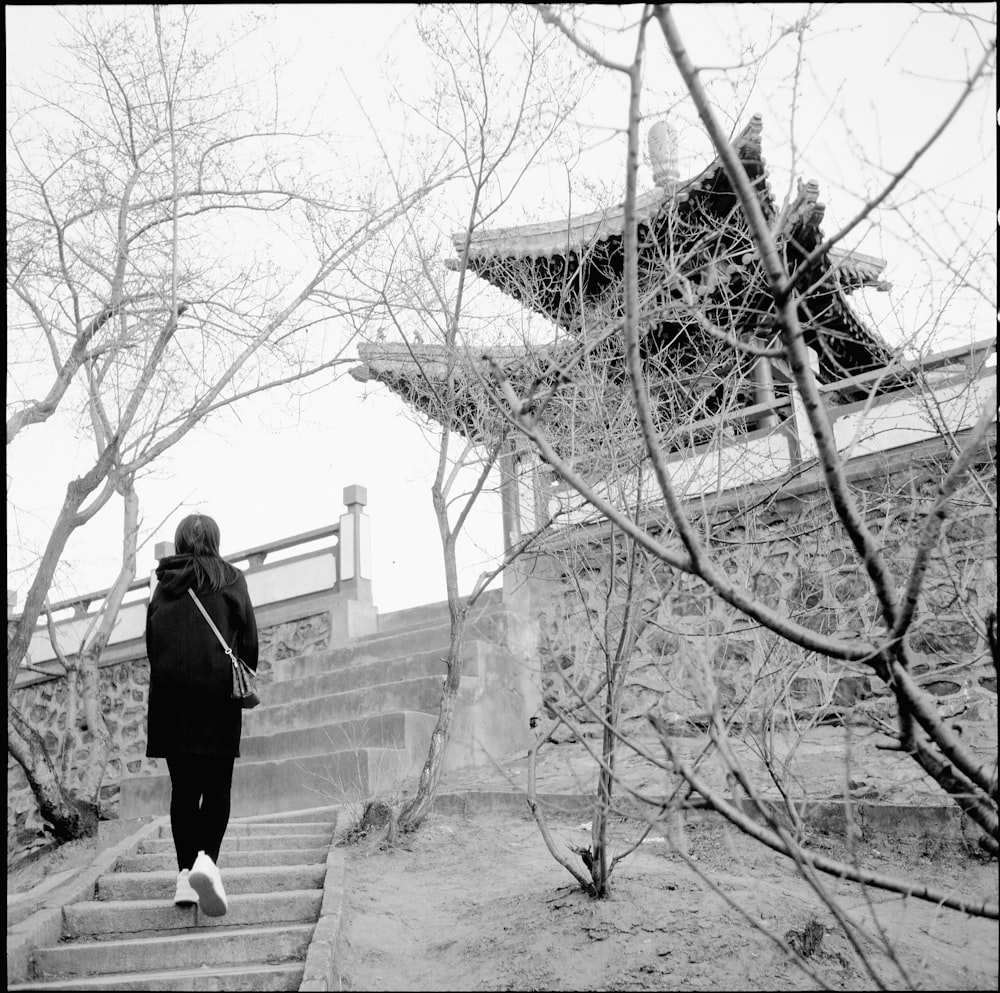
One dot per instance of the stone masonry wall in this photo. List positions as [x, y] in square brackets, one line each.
[792, 553]
[124, 688]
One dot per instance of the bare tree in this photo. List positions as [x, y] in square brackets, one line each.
[152, 191]
[502, 101]
[754, 278]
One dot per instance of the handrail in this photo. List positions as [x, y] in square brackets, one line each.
[277, 546]
[976, 353]
[970, 352]
[258, 551]
[975, 356]
[88, 598]
[331, 565]
[744, 413]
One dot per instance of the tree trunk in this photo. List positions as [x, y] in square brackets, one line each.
[20, 631]
[72, 700]
[92, 775]
[599, 870]
[75, 814]
[417, 809]
[69, 816]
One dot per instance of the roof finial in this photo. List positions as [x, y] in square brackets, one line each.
[662, 143]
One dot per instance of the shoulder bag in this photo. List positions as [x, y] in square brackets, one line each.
[244, 678]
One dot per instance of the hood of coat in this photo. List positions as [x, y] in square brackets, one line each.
[177, 573]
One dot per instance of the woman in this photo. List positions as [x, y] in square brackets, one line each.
[192, 720]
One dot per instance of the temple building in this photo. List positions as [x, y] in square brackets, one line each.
[700, 283]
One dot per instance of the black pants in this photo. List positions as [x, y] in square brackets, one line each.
[200, 786]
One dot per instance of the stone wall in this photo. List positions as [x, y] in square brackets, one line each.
[789, 550]
[124, 687]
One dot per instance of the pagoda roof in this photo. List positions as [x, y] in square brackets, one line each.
[586, 251]
[558, 268]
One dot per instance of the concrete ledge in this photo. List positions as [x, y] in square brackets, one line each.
[309, 815]
[44, 924]
[471, 803]
[878, 823]
[887, 823]
[320, 971]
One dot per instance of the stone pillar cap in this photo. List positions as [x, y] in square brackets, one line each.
[355, 494]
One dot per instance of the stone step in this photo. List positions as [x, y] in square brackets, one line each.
[410, 618]
[362, 651]
[315, 677]
[213, 947]
[313, 815]
[394, 730]
[417, 630]
[287, 784]
[289, 771]
[160, 885]
[165, 859]
[118, 919]
[273, 829]
[250, 844]
[340, 777]
[255, 978]
[435, 613]
[423, 695]
[328, 815]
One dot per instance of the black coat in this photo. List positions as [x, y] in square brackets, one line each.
[191, 710]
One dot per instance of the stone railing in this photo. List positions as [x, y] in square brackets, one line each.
[773, 439]
[325, 570]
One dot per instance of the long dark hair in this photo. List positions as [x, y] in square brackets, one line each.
[198, 536]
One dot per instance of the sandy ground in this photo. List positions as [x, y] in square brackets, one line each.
[480, 904]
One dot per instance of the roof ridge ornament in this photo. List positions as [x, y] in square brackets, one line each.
[806, 208]
[663, 145]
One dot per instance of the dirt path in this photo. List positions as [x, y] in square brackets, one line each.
[479, 904]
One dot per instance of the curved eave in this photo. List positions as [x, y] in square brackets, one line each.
[849, 270]
[561, 237]
[411, 387]
[491, 253]
[418, 374]
[545, 257]
[855, 270]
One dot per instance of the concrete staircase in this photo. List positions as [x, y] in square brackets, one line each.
[130, 936]
[344, 724]
[334, 728]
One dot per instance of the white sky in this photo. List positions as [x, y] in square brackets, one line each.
[887, 80]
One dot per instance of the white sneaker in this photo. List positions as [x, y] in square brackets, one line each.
[206, 880]
[184, 895]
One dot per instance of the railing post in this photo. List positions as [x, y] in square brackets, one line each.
[354, 546]
[508, 498]
[803, 443]
[763, 383]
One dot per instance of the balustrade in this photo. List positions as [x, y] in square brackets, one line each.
[334, 561]
[772, 438]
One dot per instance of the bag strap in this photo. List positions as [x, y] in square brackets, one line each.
[211, 624]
